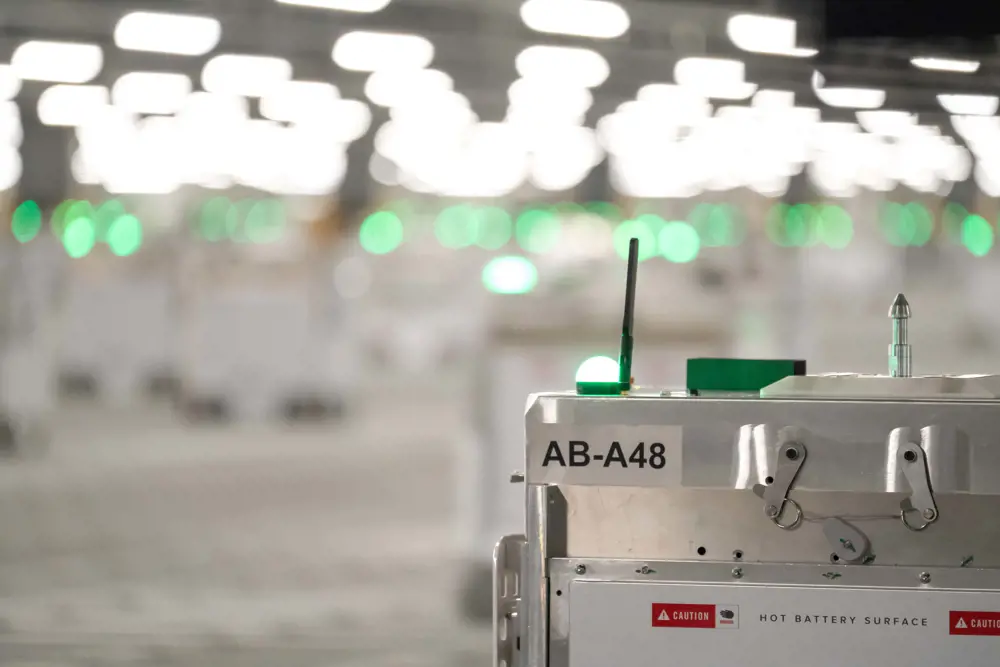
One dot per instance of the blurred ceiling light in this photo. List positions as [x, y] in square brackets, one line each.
[344, 122]
[365, 51]
[10, 83]
[773, 99]
[180, 34]
[533, 95]
[11, 167]
[887, 123]
[359, 6]
[69, 106]
[946, 64]
[252, 76]
[600, 19]
[392, 87]
[718, 78]
[297, 100]
[674, 103]
[565, 64]
[213, 107]
[771, 35]
[151, 92]
[970, 105]
[59, 62]
[847, 98]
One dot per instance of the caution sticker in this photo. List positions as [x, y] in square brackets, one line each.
[707, 616]
[981, 623]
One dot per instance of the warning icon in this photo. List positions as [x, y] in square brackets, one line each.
[663, 616]
[960, 624]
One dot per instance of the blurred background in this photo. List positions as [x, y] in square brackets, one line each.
[279, 275]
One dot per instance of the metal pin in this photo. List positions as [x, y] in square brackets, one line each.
[900, 360]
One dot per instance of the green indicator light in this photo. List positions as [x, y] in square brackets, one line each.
[124, 236]
[604, 209]
[774, 226]
[800, 226]
[598, 369]
[898, 224]
[26, 221]
[952, 217]
[59, 219]
[265, 221]
[638, 229]
[79, 237]
[653, 222]
[537, 230]
[717, 225]
[494, 228]
[510, 275]
[977, 235]
[456, 226]
[922, 223]
[105, 216]
[679, 242]
[217, 216]
[835, 227]
[381, 233]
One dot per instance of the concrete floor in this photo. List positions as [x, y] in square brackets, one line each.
[138, 540]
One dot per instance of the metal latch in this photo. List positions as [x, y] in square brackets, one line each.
[913, 462]
[508, 556]
[791, 456]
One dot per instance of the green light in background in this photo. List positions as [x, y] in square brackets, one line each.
[218, 215]
[537, 230]
[381, 232]
[653, 222]
[604, 209]
[494, 228]
[456, 226]
[510, 275]
[898, 224]
[26, 221]
[638, 229]
[598, 369]
[124, 235]
[977, 235]
[717, 225]
[679, 242]
[800, 226]
[922, 222]
[79, 237]
[774, 226]
[59, 219]
[105, 216]
[952, 218]
[835, 227]
[265, 221]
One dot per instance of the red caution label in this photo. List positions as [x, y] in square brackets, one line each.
[683, 615]
[982, 623]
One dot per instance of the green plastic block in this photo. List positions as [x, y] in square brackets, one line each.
[739, 375]
[600, 388]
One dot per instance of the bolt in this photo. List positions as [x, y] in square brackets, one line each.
[925, 577]
[847, 544]
[869, 559]
[644, 569]
[516, 477]
[581, 569]
[771, 511]
[929, 514]
[737, 573]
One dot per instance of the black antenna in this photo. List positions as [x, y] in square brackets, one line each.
[625, 356]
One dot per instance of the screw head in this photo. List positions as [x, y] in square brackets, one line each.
[644, 569]
[771, 511]
[737, 573]
[925, 577]
[581, 569]
[929, 514]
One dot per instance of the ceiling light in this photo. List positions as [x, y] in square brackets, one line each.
[298, 100]
[887, 123]
[370, 51]
[847, 98]
[359, 6]
[151, 92]
[970, 105]
[719, 78]
[584, 18]
[946, 64]
[60, 62]
[565, 64]
[766, 34]
[251, 76]
[393, 87]
[180, 34]
[69, 106]
[10, 83]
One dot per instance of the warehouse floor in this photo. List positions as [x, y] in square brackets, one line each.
[138, 540]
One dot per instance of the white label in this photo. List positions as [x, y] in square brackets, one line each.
[710, 625]
[604, 455]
